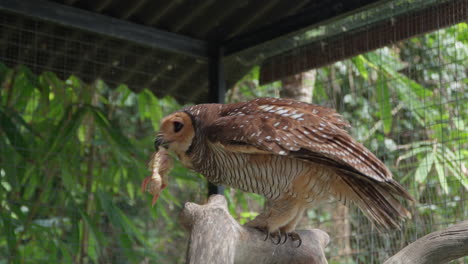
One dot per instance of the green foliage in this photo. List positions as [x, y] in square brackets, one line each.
[73, 154]
[72, 159]
[409, 105]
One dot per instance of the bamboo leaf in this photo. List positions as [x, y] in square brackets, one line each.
[462, 32]
[390, 67]
[384, 99]
[409, 91]
[68, 179]
[424, 168]
[167, 196]
[24, 86]
[161, 210]
[149, 108]
[124, 93]
[130, 228]
[128, 231]
[450, 160]
[64, 131]
[14, 135]
[13, 173]
[33, 179]
[20, 120]
[359, 62]
[93, 249]
[441, 174]
[412, 153]
[9, 232]
[94, 230]
[115, 134]
[458, 174]
[155, 110]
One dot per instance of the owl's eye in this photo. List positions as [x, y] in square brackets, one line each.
[177, 126]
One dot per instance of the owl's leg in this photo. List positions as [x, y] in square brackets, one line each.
[279, 214]
[288, 229]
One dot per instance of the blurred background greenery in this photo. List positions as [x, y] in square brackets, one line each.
[73, 155]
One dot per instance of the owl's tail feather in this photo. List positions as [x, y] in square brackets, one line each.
[377, 200]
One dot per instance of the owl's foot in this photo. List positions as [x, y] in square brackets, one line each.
[272, 223]
[275, 237]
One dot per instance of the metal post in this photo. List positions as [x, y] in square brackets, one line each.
[217, 91]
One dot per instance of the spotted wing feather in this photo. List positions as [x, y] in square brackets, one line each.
[306, 131]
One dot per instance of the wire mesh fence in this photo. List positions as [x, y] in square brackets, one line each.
[408, 103]
[77, 124]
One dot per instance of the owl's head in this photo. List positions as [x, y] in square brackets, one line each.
[176, 133]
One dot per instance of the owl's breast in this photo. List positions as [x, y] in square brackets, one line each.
[269, 175]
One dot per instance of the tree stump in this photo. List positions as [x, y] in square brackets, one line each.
[215, 237]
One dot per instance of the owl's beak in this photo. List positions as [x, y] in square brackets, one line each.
[159, 141]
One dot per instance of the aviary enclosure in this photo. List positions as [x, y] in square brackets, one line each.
[79, 110]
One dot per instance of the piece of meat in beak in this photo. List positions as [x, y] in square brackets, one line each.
[159, 165]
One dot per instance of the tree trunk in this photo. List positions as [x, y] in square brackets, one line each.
[299, 87]
[215, 237]
[437, 247]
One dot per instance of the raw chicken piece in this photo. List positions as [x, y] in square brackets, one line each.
[160, 165]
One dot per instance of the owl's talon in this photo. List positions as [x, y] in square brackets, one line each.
[274, 235]
[300, 242]
[295, 236]
[264, 230]
[285, 238]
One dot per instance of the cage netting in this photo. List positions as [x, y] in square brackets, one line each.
[407, 102]
[78, 113]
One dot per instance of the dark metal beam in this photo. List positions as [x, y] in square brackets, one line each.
[217, 92]
[107, 26]
[292, 24]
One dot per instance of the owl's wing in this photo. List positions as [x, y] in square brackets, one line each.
[316, 134]
[296, 129]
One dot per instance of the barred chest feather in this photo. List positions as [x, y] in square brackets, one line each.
[272, 176]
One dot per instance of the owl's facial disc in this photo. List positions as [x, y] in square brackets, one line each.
[176, 133]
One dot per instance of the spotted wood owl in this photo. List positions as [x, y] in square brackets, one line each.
[295, 154]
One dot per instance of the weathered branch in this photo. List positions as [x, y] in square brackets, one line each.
[437, 247]
[215, 237]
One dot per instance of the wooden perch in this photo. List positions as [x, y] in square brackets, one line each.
[215, 237]
[437, 247]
